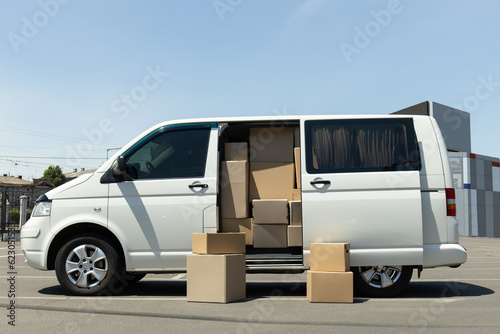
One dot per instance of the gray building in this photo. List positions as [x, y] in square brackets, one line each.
[476, 177]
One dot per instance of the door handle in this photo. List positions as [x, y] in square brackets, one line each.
[198, 185]
[324, 182]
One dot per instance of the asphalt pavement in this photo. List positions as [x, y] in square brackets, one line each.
[443, 300]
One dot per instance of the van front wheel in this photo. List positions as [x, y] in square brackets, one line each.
[88, 265]
[381, 281]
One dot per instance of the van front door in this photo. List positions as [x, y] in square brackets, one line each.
[361, 184]
[172, 194]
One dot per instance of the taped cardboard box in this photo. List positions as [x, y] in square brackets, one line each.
[219, 243]
[216, 278]
[236, 151]
[270, 180]
[329, 287]
[269, 236]
[271, 144]
[296, 160]
[234, 189]
[333, 257]
[294, 235]
[295, 212]
[244, 225]
[270, 211]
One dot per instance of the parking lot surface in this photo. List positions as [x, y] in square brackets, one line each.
[443, 300]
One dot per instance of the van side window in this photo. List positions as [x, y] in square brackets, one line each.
[364, 145]
[170, 153]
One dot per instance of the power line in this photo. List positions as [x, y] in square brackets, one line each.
[24, 157]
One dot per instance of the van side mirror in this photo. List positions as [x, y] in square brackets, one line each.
[120, 168]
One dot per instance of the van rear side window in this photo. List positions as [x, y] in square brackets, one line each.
[361, 145]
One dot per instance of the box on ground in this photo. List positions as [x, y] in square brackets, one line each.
[330, 257]
[244, 225]
[234, 189]
[269, 236]
[236, 151]
[329, 287]
[270, 180]
[219, 243]
[295, 212]
[216, 278]
[271, 144]
[270, 211]
[296, 160]
[294, 235]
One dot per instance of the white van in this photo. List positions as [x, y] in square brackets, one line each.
[381, 183]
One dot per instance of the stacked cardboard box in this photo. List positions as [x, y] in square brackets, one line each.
[216, 270]
[234, 183]
[271, 163]
[270, 218]
[295, 227]
[329, 280]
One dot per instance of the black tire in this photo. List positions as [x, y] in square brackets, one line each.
[89, 264]
[381, 281]
[134, 278]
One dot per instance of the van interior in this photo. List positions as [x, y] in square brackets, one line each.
[259, 192]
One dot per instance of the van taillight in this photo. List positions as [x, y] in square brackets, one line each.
[451, 206]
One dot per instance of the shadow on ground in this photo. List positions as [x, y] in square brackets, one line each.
[438, 289]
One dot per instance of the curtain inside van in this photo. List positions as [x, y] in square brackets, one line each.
[345, 147]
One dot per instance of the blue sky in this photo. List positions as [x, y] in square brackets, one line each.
[80, 77]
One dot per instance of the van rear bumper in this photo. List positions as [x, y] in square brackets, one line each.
[439, 255]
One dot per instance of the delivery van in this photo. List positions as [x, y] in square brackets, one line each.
[381, 183]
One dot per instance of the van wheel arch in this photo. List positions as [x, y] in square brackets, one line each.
[71, 231]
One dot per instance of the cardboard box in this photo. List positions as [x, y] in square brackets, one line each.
[295, 212]
[244, 225]
[219, 243]
[271, 144]
[269, 236]
[236, 151]
[294, 235]
[296, 160]
[270, 180]
[216, 278]
[330, 257]
[270, 211]
[296, 195]
[329, 287]
[234, 189]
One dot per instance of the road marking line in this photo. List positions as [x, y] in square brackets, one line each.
[180, 276]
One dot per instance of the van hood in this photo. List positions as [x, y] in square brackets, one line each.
[68, 185]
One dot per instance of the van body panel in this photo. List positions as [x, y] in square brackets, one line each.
[374, 211]
[156, 218]
[85, 202]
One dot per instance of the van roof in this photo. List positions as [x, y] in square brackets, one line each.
[279, 118]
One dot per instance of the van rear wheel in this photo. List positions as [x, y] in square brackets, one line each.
[89, 265]
[381, 281]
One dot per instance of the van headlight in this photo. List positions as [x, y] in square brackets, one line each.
[42, 209]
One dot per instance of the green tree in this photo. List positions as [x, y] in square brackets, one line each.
[14, 216]
[54, 174]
